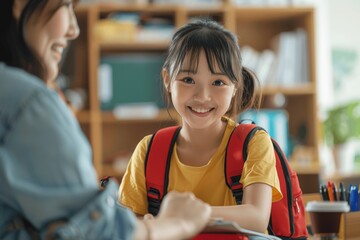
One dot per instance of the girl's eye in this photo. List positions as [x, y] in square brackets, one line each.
[188, 80]
[218, 83]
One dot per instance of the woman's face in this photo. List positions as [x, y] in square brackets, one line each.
[47, 35]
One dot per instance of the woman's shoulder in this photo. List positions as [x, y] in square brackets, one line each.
[17, 85]
[18, 89]
[12, 76]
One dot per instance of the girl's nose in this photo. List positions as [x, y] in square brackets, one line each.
[202, 94]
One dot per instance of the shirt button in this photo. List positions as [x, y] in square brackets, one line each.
[95, 215]
[110, 201]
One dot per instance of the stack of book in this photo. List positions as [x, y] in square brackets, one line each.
[285, 64]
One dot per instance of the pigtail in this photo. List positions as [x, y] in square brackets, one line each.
[251, 95]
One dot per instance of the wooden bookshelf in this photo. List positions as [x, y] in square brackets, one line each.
[254, 26]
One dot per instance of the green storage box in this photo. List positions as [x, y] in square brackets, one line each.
[130, 78]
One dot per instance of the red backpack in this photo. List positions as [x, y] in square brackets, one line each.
[287, 218]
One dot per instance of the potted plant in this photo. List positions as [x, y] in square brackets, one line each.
[342, 133]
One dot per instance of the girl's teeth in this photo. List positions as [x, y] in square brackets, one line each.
[200, 110]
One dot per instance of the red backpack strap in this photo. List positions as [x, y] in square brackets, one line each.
[236, 155]
[157, 166]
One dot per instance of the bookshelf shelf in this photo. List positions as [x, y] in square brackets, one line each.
[307, 89]
[148, 8]
[135, 46]
[214, 10]
[111, 171]
[108, 117]
[255, 27]
[309, 168]
[83, 116]
[345, 177]
[271, 13]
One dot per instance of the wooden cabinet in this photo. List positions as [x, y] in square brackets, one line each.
[254, 26]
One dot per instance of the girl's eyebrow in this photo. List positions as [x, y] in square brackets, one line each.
[220, 73]
[187, 71]
[193, 72]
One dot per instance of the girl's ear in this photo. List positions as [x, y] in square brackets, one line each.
[18, 7]
[166, 79]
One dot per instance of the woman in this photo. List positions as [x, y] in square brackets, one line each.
[48, 187]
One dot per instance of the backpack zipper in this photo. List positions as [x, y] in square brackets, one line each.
[297, 205]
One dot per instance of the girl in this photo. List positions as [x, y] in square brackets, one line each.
[207, 85]
[48, 187]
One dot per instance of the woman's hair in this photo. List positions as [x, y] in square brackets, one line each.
[14, 49]
[221, 49]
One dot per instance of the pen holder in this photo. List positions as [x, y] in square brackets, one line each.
[349, 225]
[325, 218]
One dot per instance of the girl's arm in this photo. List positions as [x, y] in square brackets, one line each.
[254, 212]
[261, 187]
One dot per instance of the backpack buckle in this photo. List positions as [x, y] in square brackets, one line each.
[154, 201]
[236, 188]
[238, 194]
[153, 193]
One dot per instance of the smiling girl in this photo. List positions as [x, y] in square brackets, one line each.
[207, 85]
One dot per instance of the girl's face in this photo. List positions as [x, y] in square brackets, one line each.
[47, 35]
[201, 98]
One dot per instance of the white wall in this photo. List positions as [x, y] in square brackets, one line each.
[344, 19]
[337, 28]
[323, 56]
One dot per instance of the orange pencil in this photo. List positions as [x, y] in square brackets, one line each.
[330, 191]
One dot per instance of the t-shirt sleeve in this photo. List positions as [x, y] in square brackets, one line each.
[260, 166]
[132, 191]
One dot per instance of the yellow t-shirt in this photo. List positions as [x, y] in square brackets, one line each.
[206, 182]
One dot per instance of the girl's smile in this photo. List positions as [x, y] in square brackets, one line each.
[201, 112]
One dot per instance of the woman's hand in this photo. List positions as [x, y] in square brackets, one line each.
[192, 213]
[181, 216]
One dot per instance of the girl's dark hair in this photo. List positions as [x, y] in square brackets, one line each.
[14, 51]
[221, 48]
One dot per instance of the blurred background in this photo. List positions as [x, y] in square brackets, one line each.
[305, 53]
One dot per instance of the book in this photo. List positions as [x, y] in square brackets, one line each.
[250, 57]
[265, 66]
[274, 121]
[222, 226]
[292, 67]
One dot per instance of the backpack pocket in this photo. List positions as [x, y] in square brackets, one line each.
[297, 194]
[298, 208]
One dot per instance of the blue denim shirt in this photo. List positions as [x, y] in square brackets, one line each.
[46, 170]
